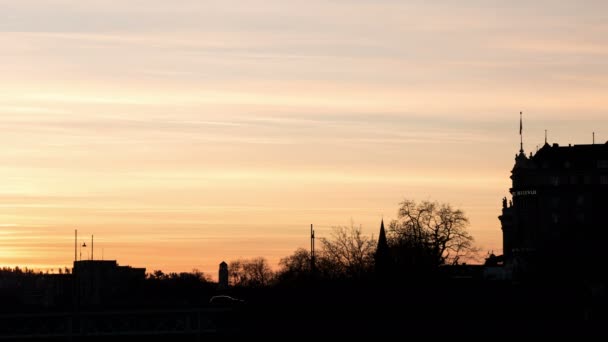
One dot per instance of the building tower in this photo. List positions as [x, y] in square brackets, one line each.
[555, 224]
[223, 275]
[382, 257]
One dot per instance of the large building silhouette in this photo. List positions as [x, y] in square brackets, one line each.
[104, 281]
[557, 221]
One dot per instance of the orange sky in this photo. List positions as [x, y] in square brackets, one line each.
[185, 135]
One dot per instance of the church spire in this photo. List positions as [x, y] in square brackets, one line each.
[383, 254]
[382, 236]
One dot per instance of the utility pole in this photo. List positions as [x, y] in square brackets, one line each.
[75, 245]
[312, 249]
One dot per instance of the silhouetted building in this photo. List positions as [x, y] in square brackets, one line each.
[382, 257]
[223, 275]
[556, 222]
[104, 282]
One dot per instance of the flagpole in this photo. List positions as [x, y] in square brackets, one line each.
[521, 137]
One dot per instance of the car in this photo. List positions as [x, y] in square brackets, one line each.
[225, 300]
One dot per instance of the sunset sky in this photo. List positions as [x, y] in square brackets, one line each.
[184, 133]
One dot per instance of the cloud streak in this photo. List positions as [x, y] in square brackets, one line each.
[235, 124]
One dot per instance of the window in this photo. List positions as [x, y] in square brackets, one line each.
[602, 164]
[555, 218]
[604, 179]
[573, 180]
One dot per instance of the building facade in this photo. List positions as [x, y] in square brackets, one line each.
[557, 219]
[105, 282]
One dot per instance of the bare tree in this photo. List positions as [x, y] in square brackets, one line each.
[254, 272]
[258, 272]
[296, 265]
[348, 252]
[236, 274]
[200, 276]
[431, 233]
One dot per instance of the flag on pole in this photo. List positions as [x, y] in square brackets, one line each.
[520, 124]
[521, 137]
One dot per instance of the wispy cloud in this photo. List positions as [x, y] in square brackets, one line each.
[232, 121]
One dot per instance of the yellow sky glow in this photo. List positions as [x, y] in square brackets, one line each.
[185, 135]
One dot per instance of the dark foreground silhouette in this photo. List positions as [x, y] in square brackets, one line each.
[446, 307]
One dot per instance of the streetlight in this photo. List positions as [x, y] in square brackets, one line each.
[84, 244]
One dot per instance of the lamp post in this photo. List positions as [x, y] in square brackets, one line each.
[83, 245]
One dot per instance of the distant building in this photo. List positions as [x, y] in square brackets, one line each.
[223, 275]
[557, 221]
[103, 281]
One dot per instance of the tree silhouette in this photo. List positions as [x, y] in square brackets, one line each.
[296, 265]
[430, 234]
[157, 274]
[254, 272]
[348, 252]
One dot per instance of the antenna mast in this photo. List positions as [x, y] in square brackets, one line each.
[312, 249]
[75, 245]
[92, 245]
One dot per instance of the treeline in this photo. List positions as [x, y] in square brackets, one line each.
[28, 271]
[425, 236]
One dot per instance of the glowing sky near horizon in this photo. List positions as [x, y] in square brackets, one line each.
[186, 133]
